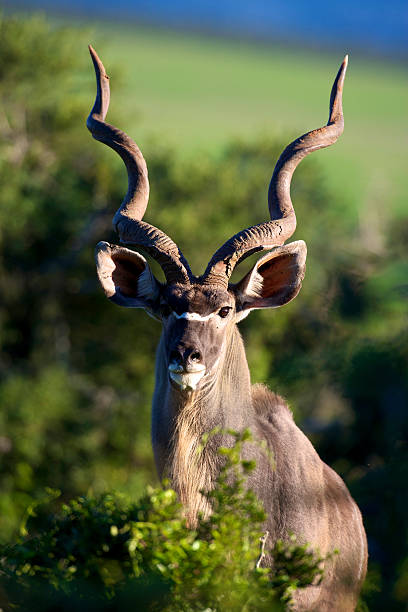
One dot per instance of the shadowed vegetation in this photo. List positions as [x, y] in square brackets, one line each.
[109, 553]
[76, 373]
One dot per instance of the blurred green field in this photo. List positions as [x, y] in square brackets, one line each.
[76, 375]
[198, 92]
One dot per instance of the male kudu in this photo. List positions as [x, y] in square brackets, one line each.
[202, 376]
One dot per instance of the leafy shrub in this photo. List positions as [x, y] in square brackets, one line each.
[108, 551]
[75, 392]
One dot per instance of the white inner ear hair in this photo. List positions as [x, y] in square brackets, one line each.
[146, 285]
[253, 288]
[252, 291]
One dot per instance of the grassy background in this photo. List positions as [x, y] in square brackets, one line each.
[76, 374]
[199, 92]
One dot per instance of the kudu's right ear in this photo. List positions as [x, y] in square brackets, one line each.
[126, 277]
[274, 280]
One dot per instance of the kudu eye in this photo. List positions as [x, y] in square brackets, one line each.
[226, 397]
[224, 311]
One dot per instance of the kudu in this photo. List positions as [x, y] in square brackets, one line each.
[202, 375]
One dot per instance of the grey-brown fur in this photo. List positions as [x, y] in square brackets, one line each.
[202, 376]
[302, 495]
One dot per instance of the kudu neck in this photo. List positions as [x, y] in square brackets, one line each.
[224, 399]
[181, 419]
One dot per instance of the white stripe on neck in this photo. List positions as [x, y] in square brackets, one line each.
[193, 316]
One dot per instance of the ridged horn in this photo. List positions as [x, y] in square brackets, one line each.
[283, 219]
[128, 219]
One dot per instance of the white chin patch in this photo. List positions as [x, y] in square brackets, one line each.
[187, 381]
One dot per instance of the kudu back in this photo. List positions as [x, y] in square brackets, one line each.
[202, 375]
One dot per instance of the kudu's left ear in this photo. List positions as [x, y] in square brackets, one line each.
[274, 280]
[126, 277]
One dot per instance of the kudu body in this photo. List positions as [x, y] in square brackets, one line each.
[202, 375]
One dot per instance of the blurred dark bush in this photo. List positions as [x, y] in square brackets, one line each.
[76, 373]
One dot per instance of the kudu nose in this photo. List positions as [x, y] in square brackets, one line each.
[185, 356]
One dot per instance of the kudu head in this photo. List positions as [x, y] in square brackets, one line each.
[199, 313]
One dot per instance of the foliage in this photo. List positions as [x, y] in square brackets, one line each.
[199, 92]
[76, 373]
[107, 550]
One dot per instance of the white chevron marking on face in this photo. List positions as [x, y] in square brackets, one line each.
[193, 316]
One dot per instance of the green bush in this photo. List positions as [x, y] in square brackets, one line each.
[106, 551]
[76, 375]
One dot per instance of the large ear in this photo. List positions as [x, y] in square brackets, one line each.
[274, 280]
[126, 277]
